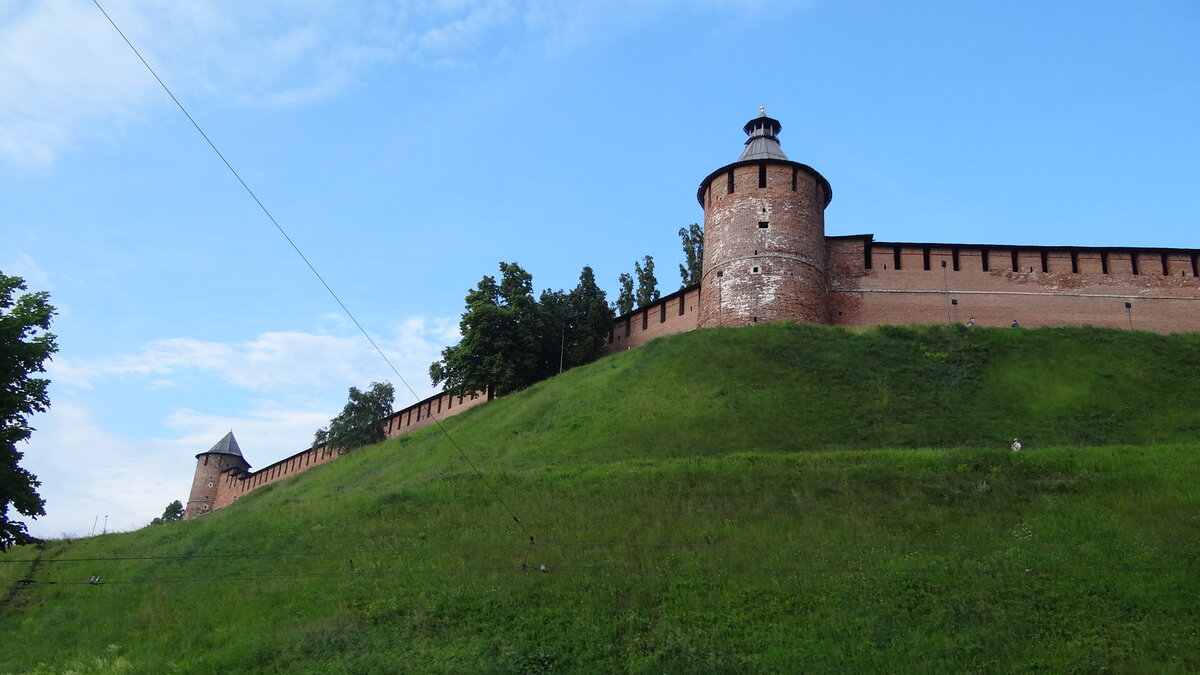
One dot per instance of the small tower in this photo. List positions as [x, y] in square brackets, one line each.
[764, 236]
[224, 457]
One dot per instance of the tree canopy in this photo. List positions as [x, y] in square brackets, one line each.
[625, 297]
[173, 512]
[693, 252]
[25, 346]
[361, 420]
[510, 340]
[647, 284]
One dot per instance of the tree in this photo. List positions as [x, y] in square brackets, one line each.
[647, 285]
[557, 328]
[501, 328]
[25, 346]
[693, 251]
[361, 420]
[591, 320]
[173, 512]
[625, 297]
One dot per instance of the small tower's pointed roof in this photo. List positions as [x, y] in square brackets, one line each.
[762, 143]
[228, 445]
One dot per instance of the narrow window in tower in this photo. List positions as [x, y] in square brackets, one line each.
[867, 254]
[1104, 262]
[682, 304]
[720, 273]
[954, 257]
[795, 173]
[1166, 267]
[983, 253]
[1016, 259]
[1196, 264]
[925, 257]
[896, 257]
[762, 175]
[729, 186]
[628, 326]
[763, 224]
[755, 270]
[1074, 262]
[1133, 262]
[645, 318]
[662, 312]
[1045, 261]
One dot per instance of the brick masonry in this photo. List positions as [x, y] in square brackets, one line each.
[766, 259]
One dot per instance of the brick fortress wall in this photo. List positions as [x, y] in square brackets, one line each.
[767, 259]
[873, 283]
[228, 480]
[870, 283]
[764, 253]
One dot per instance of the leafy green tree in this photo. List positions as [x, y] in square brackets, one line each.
[591, 319]
[25, 346]
[501, 329]
[173, 512]
[647, 284]
[693, 252]
[361, 420]
[557, 326]
[625, 297]
[576, 324]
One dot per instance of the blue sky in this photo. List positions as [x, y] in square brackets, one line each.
[409, 147]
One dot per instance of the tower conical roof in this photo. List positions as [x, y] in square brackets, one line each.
[228, 445]
[762, 143]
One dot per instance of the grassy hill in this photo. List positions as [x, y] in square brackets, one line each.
[771, 499]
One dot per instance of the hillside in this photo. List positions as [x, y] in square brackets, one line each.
[775, 498]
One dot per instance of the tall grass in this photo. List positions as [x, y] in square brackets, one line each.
[711, 502]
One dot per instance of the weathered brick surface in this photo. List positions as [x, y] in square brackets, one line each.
[1005, 292]
[766, 258]
[764, 245]
[672, 314]
[209, 480]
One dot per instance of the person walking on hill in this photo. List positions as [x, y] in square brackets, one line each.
[970, 322]
[1015, 324]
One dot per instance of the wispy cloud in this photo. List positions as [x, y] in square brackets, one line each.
[65, 74]
[128, 481]
[131, 479]
[276, 361]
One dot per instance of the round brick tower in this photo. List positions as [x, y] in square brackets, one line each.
[223, 457]
[764, 236]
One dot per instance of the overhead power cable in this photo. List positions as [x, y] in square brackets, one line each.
[312, 268]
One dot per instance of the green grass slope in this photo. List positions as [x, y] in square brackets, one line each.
[774, 499]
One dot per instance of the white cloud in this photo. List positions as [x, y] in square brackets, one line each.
[87, 472]
[300, 380]
[23, 265]
[65, 73]
[275, 362]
